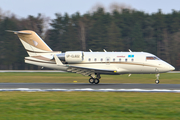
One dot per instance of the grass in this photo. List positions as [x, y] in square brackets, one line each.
[89, 105]
[165, 78]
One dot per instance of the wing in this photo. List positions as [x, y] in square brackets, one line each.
[85, 70]
[89, 71]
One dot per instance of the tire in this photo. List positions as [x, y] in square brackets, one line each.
[96, 81]
[157, 81]
[91, 80]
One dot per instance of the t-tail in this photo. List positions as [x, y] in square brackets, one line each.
[33, 44]
[39, 52]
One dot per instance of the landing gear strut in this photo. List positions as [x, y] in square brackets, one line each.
[157, 79]
[94, 80]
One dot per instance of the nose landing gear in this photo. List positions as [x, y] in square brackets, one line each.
[157, 79]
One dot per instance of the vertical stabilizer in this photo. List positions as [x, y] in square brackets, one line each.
[33, 44]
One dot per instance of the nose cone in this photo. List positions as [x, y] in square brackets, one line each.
[171, 68]
[166, 67]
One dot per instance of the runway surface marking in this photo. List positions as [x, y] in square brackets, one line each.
[43, 87]
[91, 90]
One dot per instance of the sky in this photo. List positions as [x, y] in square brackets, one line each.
[23, 8]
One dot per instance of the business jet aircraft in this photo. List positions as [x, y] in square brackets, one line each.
[90, 63]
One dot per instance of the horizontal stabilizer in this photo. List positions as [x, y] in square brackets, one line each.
[18, 32]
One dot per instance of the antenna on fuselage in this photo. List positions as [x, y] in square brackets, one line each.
[104, 50]
[90, 50]
[130, 50]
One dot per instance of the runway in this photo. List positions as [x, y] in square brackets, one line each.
[33, 87]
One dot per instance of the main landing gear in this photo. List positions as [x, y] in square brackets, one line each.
[94, 80]
[157, 79]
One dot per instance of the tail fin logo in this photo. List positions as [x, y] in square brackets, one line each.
[35, 43]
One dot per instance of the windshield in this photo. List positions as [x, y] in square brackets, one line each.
[152, 58]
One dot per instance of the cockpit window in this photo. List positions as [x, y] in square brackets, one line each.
[152, 58]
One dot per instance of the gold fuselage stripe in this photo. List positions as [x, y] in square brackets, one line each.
[48, 61]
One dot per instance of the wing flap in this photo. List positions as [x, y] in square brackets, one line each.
[89, 71]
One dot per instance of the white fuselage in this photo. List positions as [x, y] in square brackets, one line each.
[111, 62]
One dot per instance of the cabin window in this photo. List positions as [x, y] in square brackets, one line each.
[101, 59]
[89, 59]
[95, 59]
[126, 60]
[152, 58]
[132, 60]
[107, 60]
[119, 60]
[114, 60]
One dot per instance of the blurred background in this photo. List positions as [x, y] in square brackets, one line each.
[80, 25]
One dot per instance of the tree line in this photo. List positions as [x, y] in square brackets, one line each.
[157, 33]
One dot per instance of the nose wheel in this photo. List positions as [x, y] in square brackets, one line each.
[157, 79]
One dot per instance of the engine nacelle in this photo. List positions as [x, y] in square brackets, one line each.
[74, 56]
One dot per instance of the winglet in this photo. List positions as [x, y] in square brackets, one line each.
[90, 50]
[58, 62]
[130, 50]
[104, 50]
